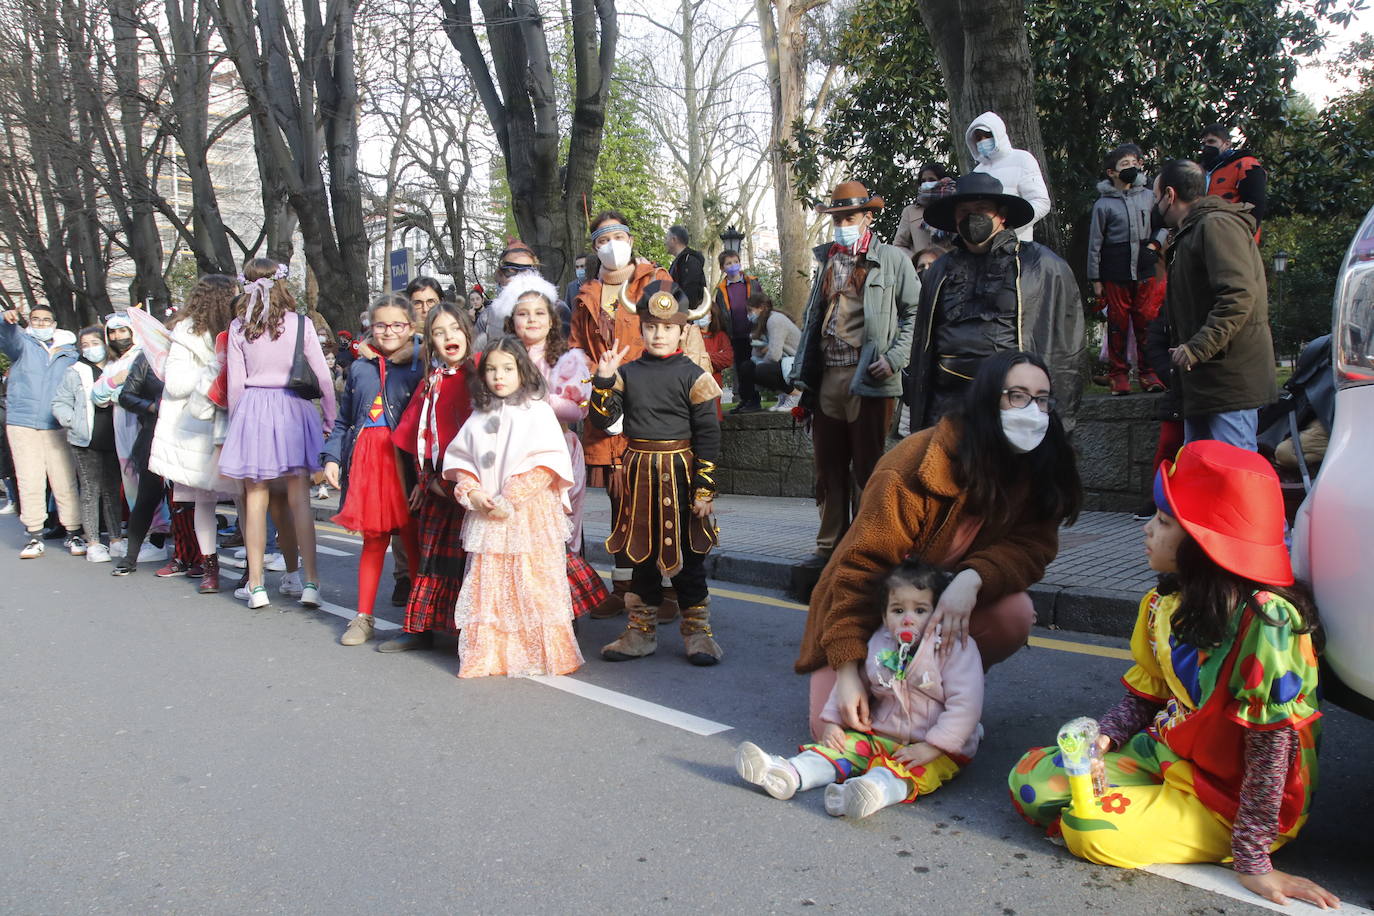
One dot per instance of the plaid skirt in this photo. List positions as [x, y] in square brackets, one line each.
[588, 590]
[434, 593]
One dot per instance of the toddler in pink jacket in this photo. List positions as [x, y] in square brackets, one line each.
[925, 700]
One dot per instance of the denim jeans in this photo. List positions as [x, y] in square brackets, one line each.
[1234, 427]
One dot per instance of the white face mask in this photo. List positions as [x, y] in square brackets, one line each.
[1025, 427]
[704, 321]
[95, 354]
[614, 255]
[43, 334]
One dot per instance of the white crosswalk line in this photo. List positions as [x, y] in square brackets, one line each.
[674, 717]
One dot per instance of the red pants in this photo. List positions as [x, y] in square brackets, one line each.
[1170, 441]
[1130, 305]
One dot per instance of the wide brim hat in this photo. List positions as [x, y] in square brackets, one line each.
[978, 186]
[1228, 499]
[851, 195]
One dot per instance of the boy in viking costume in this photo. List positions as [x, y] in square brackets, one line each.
[664, 404]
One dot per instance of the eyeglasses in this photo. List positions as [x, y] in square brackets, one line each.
[35, 322]
[1018, 399]
[394, 327]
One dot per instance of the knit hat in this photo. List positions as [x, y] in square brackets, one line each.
[1228, 500]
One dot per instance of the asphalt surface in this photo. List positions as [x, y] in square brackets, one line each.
[170, 752]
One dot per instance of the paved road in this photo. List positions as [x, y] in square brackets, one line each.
[168, 752]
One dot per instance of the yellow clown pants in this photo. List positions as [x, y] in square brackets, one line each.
[1149, 815]
[864, 752]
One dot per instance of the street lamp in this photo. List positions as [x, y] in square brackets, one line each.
[1281, 259]
[732, 239]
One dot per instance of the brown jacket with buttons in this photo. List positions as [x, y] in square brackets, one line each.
[912, 506]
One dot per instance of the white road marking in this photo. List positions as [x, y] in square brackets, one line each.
[1221, 880]
[676, 718]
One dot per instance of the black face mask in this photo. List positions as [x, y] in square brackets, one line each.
[1128, 176]
[121, 346]
[1209, 157]
[976, 228]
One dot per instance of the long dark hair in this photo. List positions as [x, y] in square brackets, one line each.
[458, 314]
[555, 344]
[532, 384]
[1208, 594]
[987, 468]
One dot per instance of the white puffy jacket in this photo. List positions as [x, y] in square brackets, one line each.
[190, 428]
[1017, 169]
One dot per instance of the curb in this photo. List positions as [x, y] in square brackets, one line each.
[1098, 611]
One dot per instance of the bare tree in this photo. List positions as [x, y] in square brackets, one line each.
[302, 93]
[518, 92]
[781, 24]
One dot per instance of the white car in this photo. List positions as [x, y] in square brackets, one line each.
[1333, 538]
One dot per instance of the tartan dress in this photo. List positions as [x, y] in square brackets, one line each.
[434, 593]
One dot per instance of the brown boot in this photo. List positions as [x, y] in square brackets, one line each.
[209, 583]
[668, 610]
[641, 633]
[614, 604]
[696, 635]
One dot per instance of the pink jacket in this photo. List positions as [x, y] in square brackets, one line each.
[937, 702]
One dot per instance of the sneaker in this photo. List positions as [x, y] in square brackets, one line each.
[310, 594]
[151, 553]
[76, 545]
[322, 492]
[274, 562]
[242, 593]
[173, 569]
[241, 554]
[776, 775]
[407, 641]
[8, 508]
[359, 631]
[97, 553]
[290, 585]
[119, 548]
[257, 598]
[232, 539]
[33, 549]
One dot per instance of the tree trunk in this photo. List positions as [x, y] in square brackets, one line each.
[984, 56]
[696, 166]
[785, 55]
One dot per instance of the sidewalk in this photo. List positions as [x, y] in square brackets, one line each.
[1094, 586]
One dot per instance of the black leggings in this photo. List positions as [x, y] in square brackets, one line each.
[151, 492]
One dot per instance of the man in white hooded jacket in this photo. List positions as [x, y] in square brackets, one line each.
[1017, 169]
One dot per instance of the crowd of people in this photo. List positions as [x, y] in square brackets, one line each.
[462, 436]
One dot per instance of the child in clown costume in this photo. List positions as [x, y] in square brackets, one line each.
[1211, 754]
[925, 700]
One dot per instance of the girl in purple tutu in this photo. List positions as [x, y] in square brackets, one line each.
[274, 434]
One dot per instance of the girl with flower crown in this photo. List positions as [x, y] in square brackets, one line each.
[274, 433]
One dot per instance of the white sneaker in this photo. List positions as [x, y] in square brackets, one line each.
[310, 595]
[118, 548]
[290, 585]
[274, 562]
[241, 593]
[758, 767]
[258, 598]
[7, 509]
[241, 553]
[150, 552]
[32, 550]
[76, 545]
[97, 553]
[322, 492]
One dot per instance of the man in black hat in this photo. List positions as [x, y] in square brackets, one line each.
[855, 341]
[993, 292]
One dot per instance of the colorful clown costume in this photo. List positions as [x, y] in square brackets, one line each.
[1185, 788]
[863, 752]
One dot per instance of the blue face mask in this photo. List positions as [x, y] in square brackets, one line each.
[986, 148]
[581, 273]
[847, 236]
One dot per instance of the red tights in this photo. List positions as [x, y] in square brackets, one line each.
[374, 558]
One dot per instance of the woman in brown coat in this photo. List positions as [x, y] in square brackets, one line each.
[982, 493]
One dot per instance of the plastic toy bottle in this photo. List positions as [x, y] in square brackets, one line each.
[1078, 748]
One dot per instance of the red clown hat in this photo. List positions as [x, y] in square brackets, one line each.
[1229, 500]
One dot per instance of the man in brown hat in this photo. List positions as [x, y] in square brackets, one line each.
[855, 341]
[993, 292]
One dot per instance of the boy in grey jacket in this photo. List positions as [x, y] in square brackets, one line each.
[1121, 264]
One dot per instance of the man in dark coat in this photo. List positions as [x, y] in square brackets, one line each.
[688, 269]
[1218, 307]
[993, 292]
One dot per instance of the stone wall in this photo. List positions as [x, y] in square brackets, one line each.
[1116, 439]
[765, 454]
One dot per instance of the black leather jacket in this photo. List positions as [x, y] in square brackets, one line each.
[142, 395]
